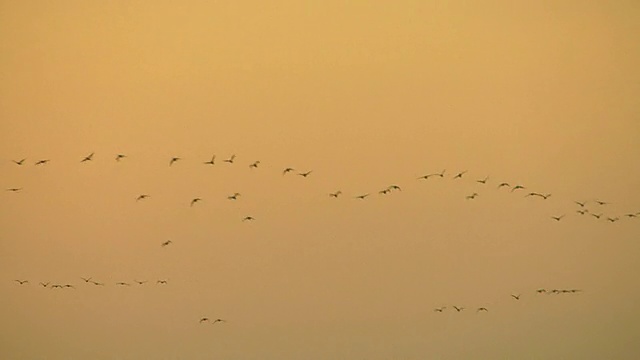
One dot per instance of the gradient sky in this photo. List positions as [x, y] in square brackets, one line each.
[365, 94]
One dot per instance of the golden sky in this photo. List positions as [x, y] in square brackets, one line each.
[365, 94]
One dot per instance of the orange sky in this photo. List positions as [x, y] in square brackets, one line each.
[363, 94]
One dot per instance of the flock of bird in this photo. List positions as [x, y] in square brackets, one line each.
[582, 210]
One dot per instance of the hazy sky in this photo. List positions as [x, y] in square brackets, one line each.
[365, 94]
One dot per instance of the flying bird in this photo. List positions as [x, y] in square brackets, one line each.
[597, 216]
[305, 174]
[557, 218]
[204, 319]
[472, 196]
[87, 158]
[97, 283]
[19, 162]
[362, 197]
[383, 192]
[218, 320]
[231, 159]
[541, 291]
[459, 175]
[285, 171]
[517, 297]
[45, 284]
[630, 215]
[166, 243]
[120, 157]
[601, 202]
[254, 165]
[482, 309]
[458, 309]
[22, 282]
[86, 279]
[483, 181]
[440, 309]
[517, 187]
[123, 283]
[394, 187]
[161, 282]
[613, 219]
[335, 194]
[140, 282]
[42, 162]
[195, 200]
[211, 162]
[174, 159]
[248, 218]
[582, 212]
[69, 286]
[582, 204]
[503, 184]
[538, 194]
[234, 196]
[142, 197]
[14, 189]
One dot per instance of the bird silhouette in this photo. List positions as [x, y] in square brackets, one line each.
[22, 282]
[614, 219]
[582, 212]
[140, 282]
[541, 291]
[601, 202]
[234, 196]
[218, 321]
[161, 282]
[440, 309]
[335, 194]
[248, 218]
[458, 309]
[517, 297]
[459, 175]
[86, 279]
[482, 309]
[121, 283]
[597, 216]
[305, 174]
[142, 197]
[517, 187]
[14, 189]
[42, 162]
[174, 159]
[56, 286]
[120, 157]
[287, 170]
[483, 181]
[211, 162]
[166, 243]
[394, 187]
[69, 286]
[195, 200]
[582, 204]
[19, 162]
[204, 319]
[538, 195]
[87, 158]
[631, 215]
[557, 218]
[231, 159]
[472, 196]
[503, 185]
[45, 284]
[97, 283]
[254, 165]
[384, 191]
[362, 197]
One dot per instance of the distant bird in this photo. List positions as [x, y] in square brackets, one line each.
[362, 197]
[254, 165]
[140, 282]
[19, 162]
[174, 159]
[582, 212]
[120, 157]
[234, 196]
[85, 279]
[142, 197]
[394, 187]
[503, 185]
[231, 159]
[384, 191]
[613, 219]
[541, 291]
[14, 189]
[45, 284]
[483, 181]
[123, 283]
[597, 216]
[97, 283]
[248, 218]
[211, 162]
[440, 309]
[574, 290]
[87, 158]
[460, 174]
[166, 243]
[42, 162]
[285, 171]
[22, 282]
[582, 204]
[218, 320]
[69, 286]
[195, 200]
[458, 309]
[482, 309]
[557, 218]
[601, 202]
[517, 187]
[305, 174]
[54, 286]
[425, 177]
[161, 282]
[204, 319]
[517, 297]
[441, 174]
[335, 194]
[472, 196]
[630, 215]
[538, 194]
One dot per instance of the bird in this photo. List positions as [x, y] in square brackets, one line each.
[458, 309]
[384, 191]
[234, 196]
[613, 219]
[482, 309]
[582, 212]
[161, 282]
[335, 194]
[582, 204]
[231, 159]
[394, 187]
[517, 187]
[121, 283]
[174, 159]
[541, 291]
[483, 181]
[601, 202]
[460, 174]
[362, 197]
[538, 194]
[254, 165]
[204, 319]
[87, 158]
[630, 215]
[218, 320]
[195, 200]
[86, 279]
[19, 162]
[140, 282]
[166, 243]
[14, 189]
[22, 282]
[305, 174]
[142, 197]
[248, 218]
[503, 185]
[42, 162]
[597, 216]
[472, 196]
[211, 162]
[440, 309]
[54, 286]
[69, 286]
[120, 157]
[45, 284]
[441, 174]
[285, 171]
[97, 283]
[557, 218]
[517, 297]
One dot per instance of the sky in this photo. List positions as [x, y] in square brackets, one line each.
[365, 95]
